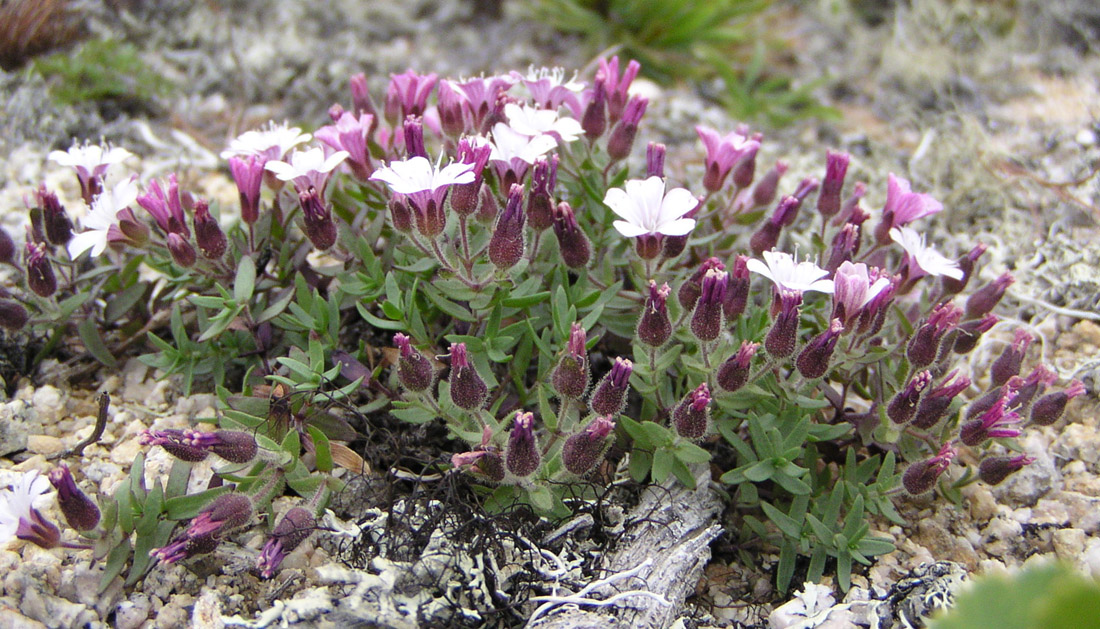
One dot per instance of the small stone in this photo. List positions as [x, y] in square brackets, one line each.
[133, 613]
[1069, 544]
[207, 613]
[1085, 137]
[12, 619]
[49, 403]
[45, 445]
[126, 452]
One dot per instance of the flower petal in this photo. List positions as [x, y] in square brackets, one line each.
[630, 230]
[678, 227]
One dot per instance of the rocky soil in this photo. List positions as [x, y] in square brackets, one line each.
[991, 107]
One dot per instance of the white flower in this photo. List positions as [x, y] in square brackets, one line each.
[532, 122]
[854, 287]
[646, 209]
[927, 260]
[509, 145]
[101, 217]
[17, 501]
[782, 269]
[90, 160]
[419, 175]
[271, 142]
[307, 168]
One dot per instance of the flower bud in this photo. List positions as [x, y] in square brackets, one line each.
[506, 243]
[924, 346]
[183, 254]
[764, 191]
[844, 247]
[921, 477]
[413, 128]
[1049, 408]
[55, 222]
[934, 404]
[573, 244]
[622, 136]
[193, 446]
[7, 247]
[40, 275]
[691, 416]
[468, 390]
[609, 397]
[693, 286]
[986, 298]
[993, 424]
[209, 235]
[487, 208]
[767, 237]
[655, 327]
[585, 449]
[80, 512]
[813, 361]
[295, 527]
[734, 373]
[952, 286]
[994, 469]
[1008, 363]
[1027, 388]
[360, 98]
[226, 513]
[655, 160]
[745, 169]
[413, 369]
[783, 335]
[836, 167]
[706, 322]
[486, 462]
[317, 222]
[13, 316]
[737, 289]
[522, 457]
[970, 332]
[594, 119]
[401, 213]
[248, 173]
[570, 376]
[904, 403]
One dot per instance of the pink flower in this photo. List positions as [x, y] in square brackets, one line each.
[723, 153]
[307, 169]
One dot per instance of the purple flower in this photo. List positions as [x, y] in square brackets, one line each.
[226, 513]
[480, 96]
[413, 369]
[540, 201]
[19, 515]
[609, 397]
[317, 220]
[691, 417]
[853, 290]
[903, 405]
[617, 86]
[994, 469]
[1049, 408]
[407, 95]
[507, 241]
[522, 456]
[583, 450]
[905, 205]
[1008, 363]
[836, 167]
[924, 346]
[350, 134]
[993, 424]
[986, 298]
[468, 390]
[165, 208]
[193, 445]
[706, 321]
[570, 376]
[80, 512]
[734, 373]
[934, 404]
[622, 136]
[655, 327]
[723, 153]
[248, 173]
[295, 527]
[920, 477]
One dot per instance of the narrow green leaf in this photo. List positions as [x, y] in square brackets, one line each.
[323, 451]
[93, 342]
[116, 561]
[245, 283]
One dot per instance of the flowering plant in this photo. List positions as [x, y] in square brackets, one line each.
[506, 275]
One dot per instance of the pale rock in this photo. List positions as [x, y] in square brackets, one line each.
[175, 612]
[133, 428]
[1030, 483]
[207, 613]
[126, 452]
[1069, 544]
[49, 403]
[132, 614]
[104, 474]
[980, 500]
[1091, 557]
[1078, 443]
[45, 445]
[17, 420]
[38, 603]
[1050, 511]
[111, 384]
[1085, 137]
[1002, 528]
[1083, 507]
[12, 619]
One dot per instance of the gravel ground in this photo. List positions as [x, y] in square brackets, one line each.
[992, 112]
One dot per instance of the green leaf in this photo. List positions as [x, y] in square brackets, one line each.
[640, 464]
[658, 435]
[759, 471]
[662, 465]
[785, 571]
[245, 282]
[116, 561]
[187, 507]
[541, 498]
[691, 453]
[322, 449]
[124, 301]
[178, 477]
[93, 342]
[784, 522]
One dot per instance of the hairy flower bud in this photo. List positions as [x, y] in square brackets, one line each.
[655, 160]
[952, 286]
[13, 316]
[488, 209]
[570, 376]
[594, 119]
[522, 457]
[813, 360]
[80, 512]
[506, 243]
[183, 254]
[295, 527]
[691, 417]
[7, 247]
[1049, 408]
[585, 449]
[745, 169]
[934, 404]
[317, 221]
[40, 275]
[401, 213]
[921, 477]
[734, 373]
[1027, 388]
[1008, 363]
[573, 244]
[737, 289]
[248, 173]
[413, 128]
[970, 332]
[609, 397]
[622, 136]
[767, 237]
[192, 445]
[655, 327]
[226, 513]
[904, 404]
[993, 424]
[55, 222]
[994, 469]
[468, 390]
[689, 291]
[413, 369]
[783, 335]
[209, 235]
[925, 344]
[706, 322]
[986, 298]
[836, 167]
[763, 193]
